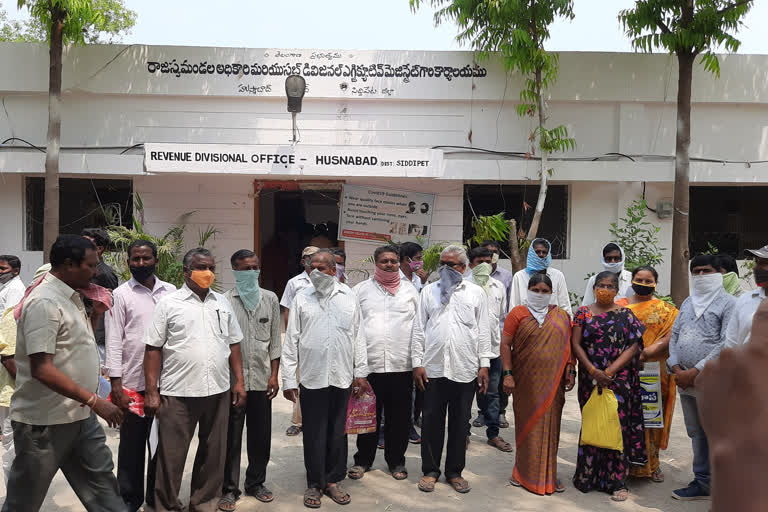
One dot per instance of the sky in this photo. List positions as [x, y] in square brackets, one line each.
[366, 24]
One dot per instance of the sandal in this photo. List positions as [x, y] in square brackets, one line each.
[514, 483]
[657, 476]
[400, 473]
[499, 443]
[559, 487]
[312, 498]
[337, 494]
[228, 502]
[620, 495]
[460, 485]
[293, 430]
[427, 483]
[261, 493]
[357, 472]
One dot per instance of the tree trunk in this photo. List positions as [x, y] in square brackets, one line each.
[51, 204]
[680, 249]
[515, 258]
[544, 171]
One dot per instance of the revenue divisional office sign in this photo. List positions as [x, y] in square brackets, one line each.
[292, 160]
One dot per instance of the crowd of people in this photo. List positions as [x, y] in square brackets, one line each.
[192, 359]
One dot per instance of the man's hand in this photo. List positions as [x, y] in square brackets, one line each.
[686, 378]
[422, 274]
[291, 394]
[420, 377]
[509, 384]
[151, 403]
[482, 380]
[109, 412]
[360, 386]
[238, 395]
[272, 386]
[119, 398]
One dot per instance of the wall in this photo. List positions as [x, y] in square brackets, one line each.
[12, 231]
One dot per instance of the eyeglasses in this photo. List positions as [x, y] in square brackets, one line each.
[451, 264]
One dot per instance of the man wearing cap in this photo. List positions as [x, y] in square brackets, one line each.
[296, 285]
[740, 326]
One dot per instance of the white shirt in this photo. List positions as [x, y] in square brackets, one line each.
[497, 310]
[456, 338]
[324, 340]
[415, 280]
[625, 288]
[388, 321]
[11, 293]
[739, 328]
[293, 287]
[195, 337]
[560, 297]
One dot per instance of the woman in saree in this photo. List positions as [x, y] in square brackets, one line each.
[607, 340]
[538, 370]
[658, 318]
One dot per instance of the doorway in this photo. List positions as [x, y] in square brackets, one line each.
[291, 216]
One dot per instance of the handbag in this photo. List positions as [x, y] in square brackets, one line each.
[600, 425]
[361, 414]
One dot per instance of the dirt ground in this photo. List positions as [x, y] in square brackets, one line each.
[487, 471]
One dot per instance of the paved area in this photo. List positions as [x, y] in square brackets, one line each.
[487, 471]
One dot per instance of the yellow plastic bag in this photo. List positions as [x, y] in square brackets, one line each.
[600, 424]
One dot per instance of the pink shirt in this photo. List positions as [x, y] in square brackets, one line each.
[125, 325]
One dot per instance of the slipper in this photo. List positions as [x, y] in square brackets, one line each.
[657, 476]
[427, 483]
[499, 443]
[620, 495]
[228, 502]
[559, 487]
[460, 485]
[293, 430]
[399, 473]
[357, 472]
[312, 498]
[337, 494]
[261, 493]
[514, 483]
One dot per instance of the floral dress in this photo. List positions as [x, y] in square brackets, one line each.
[604, 338]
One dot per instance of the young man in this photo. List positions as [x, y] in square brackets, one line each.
[480, 264]
[295, 285]
[697, 338]
[52, 409]
[341, 263]
[194, 337]
[258, 314]
[612, 261]
[389, 308]
[326, 345]
[133, 304]
[740, 326]
[540, 259]
[450, 361]
[412, 265]
[11, 287]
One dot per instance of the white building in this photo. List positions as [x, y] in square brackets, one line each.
[451, 119]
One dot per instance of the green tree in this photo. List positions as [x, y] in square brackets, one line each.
[638, 237]
[688, 29]
[61, 22]
[15, 31]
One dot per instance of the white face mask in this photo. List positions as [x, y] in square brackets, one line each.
[322, 282]
[538, 305]
[704, 289]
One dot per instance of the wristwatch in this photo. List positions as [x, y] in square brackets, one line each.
[506, 373]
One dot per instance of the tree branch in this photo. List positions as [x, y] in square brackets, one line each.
[733, 6]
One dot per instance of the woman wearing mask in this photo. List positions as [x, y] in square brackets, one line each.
[658, 318]
[612, 260]
[538, 370]
[607, 341]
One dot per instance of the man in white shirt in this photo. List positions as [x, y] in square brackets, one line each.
[740, 326]
[326, 345]
[480, 264]
[412, 265]
[195, 338]
[388, 307]
[450, 360]
[540, 259]
[133, 304]
[11, 288]
[613, 260]
[295, 285]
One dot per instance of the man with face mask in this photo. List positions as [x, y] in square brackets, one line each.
[195, 338]
[450, 361]
[133, 303]
[740, 326]
[613, 261]
[540, 259]
[341, 263]
[412, 265]
[326, 344]
[697, 338]
[258, 314]
[11, 287]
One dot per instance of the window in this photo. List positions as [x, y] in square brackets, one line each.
[512, 199]
[729, 218]
[83, 203]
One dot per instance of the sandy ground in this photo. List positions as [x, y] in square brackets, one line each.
[487, 471]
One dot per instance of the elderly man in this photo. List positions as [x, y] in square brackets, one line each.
[11, 287]
[195, 338]
[326, 344]
[450, 361]
[740, 327]
[295, 285]
[389, 308]
[258, 314]
[540, 259]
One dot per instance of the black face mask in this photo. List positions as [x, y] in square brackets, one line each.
[6, 277]
[643, 290]
[142, 273]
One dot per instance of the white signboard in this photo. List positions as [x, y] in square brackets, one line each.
[650, 383]
[299, 160]
[380, 215]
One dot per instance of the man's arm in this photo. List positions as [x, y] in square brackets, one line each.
[289, 360]
[484, 350]
[114, 327]
[724, 320]
[732, 330]
[236, 364]
[9, 363]
[154, 339]
[275, 348]
[563, 299]
[673, 359]
[417, 341]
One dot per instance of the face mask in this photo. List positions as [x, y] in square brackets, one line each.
[731, 283]
[247, 284]
[482, 274]
[705, 288]
[605, 297]
[534, 263]
[390, 281]
[538, 305]
[616, 267]
[339, 272]
[495, 258]
[202, 278]
[643, 290]
[142, 273]
[449, 280]
[323, 283]
[6, 277]
[416, 265]
[761, 277]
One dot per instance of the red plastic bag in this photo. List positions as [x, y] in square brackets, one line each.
[361, 414]
[137, 401]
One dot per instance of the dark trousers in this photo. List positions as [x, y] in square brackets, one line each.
[440, 396]
[79, 449]
[489, 403]
[134, 439]
[324, 413]
[178, 417]
[501, 397]
[418, 403]
[393, 396]
[258, 414]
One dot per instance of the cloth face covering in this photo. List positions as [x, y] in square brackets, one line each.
[416, 265]
[247, 284]
[6, 277]
[617, 267]
[482, 274]
[605, 297]
[731, 282]
[390, 281]
[322, 282]
[538, 305]
[339, 272]
[142, 273]
[642, 290]
[495, 258]
[704, 289]
[449, 280]
[202, 278]
[536, 264]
